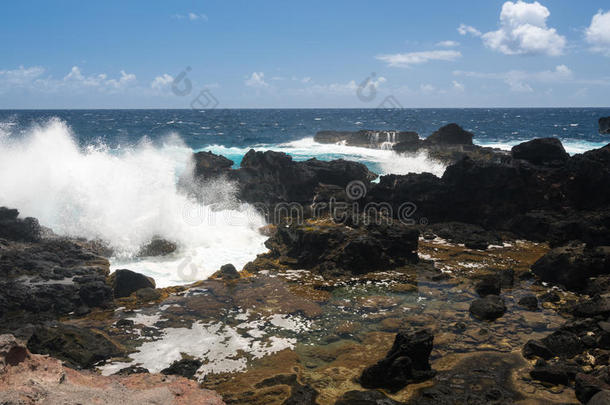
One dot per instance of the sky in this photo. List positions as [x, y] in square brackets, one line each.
[314, 54]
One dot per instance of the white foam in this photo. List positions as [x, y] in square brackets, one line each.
[389, 161]
[571, 146]
[127, 197]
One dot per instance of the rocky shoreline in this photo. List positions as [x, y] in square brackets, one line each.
[498, 277]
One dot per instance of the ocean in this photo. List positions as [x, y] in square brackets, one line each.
[113, 174]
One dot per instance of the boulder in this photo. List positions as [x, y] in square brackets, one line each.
[604, 125]
[488, 308]
[489, 285]
[407, 362]
[563, 343]
[17, 229]
[228, 272]
[185, 368]
[551, 374]
[451, 134]
[530, 302]
[472, 236]
[157, 247]
[125, 282]
[209, 165]
[78, 347]
[572, 265]
[541, 151]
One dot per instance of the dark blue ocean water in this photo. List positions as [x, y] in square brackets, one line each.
[576, 127]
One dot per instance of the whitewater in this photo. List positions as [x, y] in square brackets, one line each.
[126, 196]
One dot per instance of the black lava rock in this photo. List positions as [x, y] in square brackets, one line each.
[405, 363]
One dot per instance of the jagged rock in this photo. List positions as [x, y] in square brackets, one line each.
[158, 247]
[489, 285]
[78, 347]
[604, 125]
[330, 247]
[530, 302]
[572, 265]
[209, 165]
[50, 278]
[472, 236]
[563, 343]
[125, 282]
[366, 138]
[274, 180]
[14, 228]
[541, 151]
[406, 362]
[488, 308]
[25, 376]
[132, 370]
[451, 134]
[589, 308]
[185, 368]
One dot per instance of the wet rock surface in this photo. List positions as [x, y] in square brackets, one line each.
[406, 362]
[489, 308]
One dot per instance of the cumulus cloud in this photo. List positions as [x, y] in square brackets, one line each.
[448, 44]
[20, 76]
[519, 81]
[417, 58]
[598, 33]
[523, 31]
[161, 82]
[464, 29]
[257, 79]
[33, 78]
[77, 79]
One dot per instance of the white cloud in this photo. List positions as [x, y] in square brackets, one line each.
[416, 58]
[464, 29]
[257, 79]
[32, 78]
[76, 79]
[448, 44]
[20, 76]
[427, 88]
[519, 80]
[458, 86]
[161, 82]
[523, 31]
[598, 33]
[191, 16]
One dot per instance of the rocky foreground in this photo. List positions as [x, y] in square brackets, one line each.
[493, 287]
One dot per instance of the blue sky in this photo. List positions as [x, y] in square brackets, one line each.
[284, 54]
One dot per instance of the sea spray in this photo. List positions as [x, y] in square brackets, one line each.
[126, 197]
